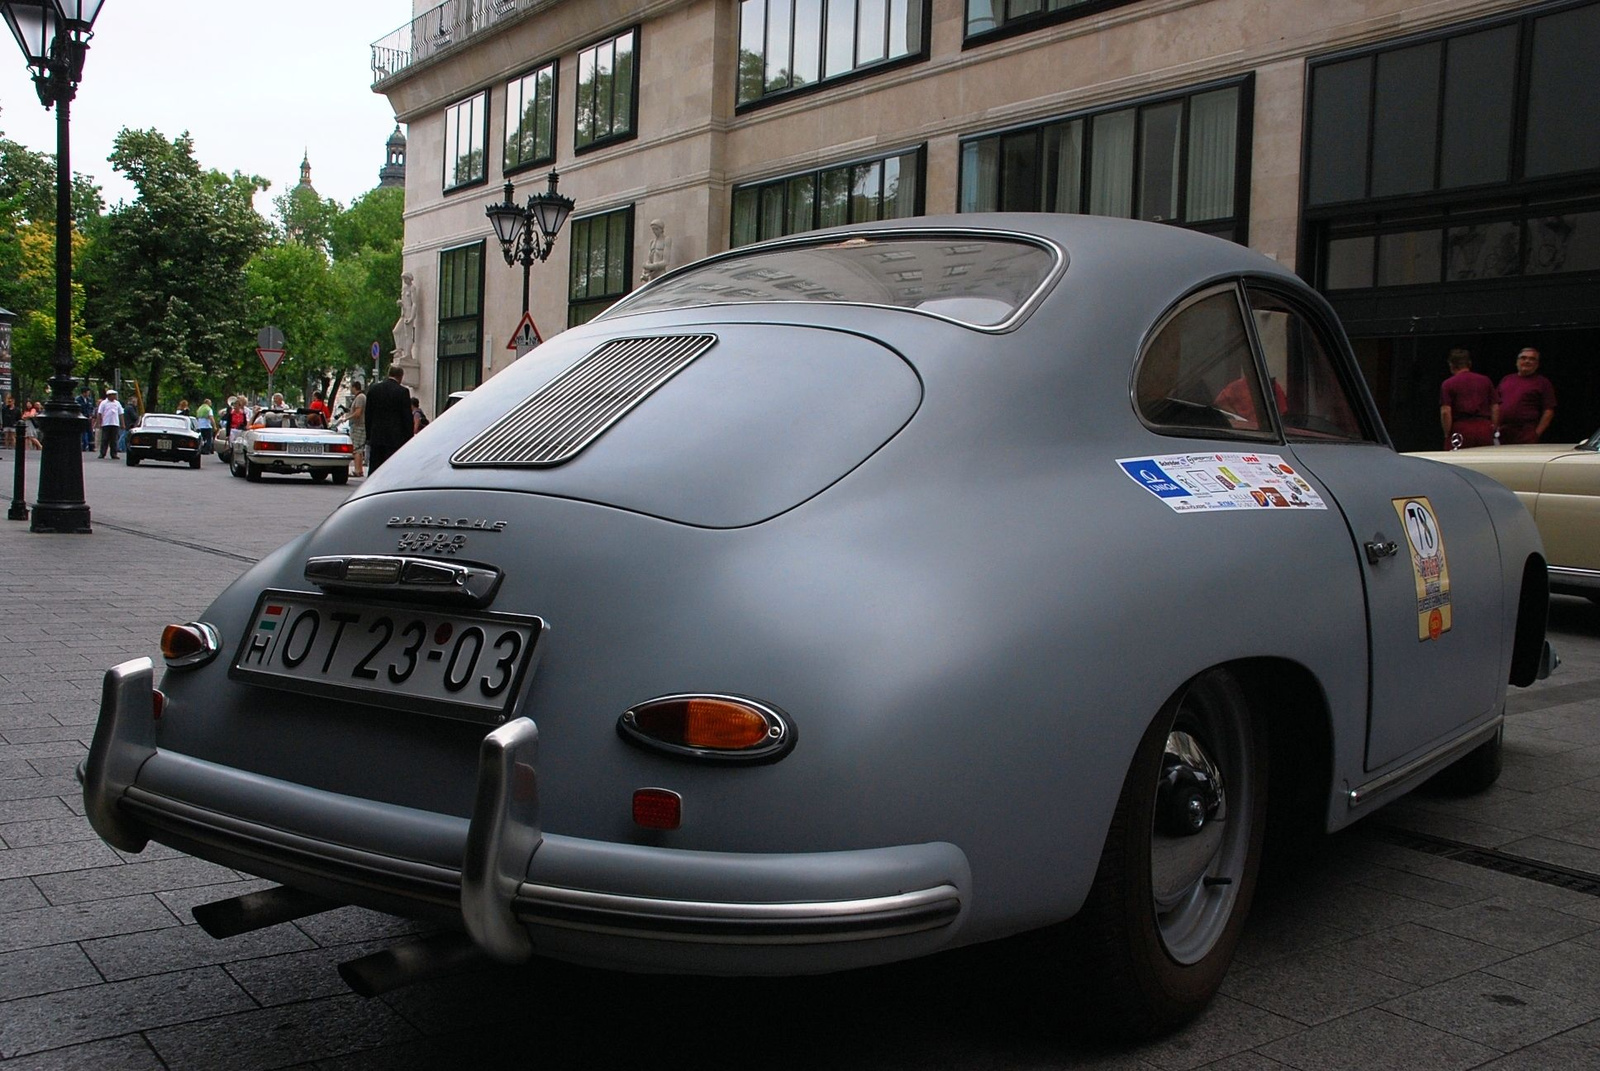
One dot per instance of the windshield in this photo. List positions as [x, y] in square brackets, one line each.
[979, 280]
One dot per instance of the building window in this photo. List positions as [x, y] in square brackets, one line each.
[786, 45]
[1004, 17]
[608, 83]
[531, 118]
[460, 350]
[602, 263]
[466, 132]
[883, 187]
[1501, 104]
[1180, 160]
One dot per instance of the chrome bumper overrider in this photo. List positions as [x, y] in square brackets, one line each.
[508, 880]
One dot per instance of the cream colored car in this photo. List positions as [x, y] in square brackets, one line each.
[1560, 485]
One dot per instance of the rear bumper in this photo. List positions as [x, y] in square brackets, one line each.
[513, 887]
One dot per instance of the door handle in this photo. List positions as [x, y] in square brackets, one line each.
[1378, 550]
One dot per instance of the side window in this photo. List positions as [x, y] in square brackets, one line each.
[1198, 375]
[1316, 400]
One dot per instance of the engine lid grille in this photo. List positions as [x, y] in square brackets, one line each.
[564, 416]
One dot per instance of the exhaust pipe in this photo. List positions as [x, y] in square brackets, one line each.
[412, 961]
[258, 910]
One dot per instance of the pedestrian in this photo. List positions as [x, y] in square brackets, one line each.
[9, 415]
[238, 419]
[86, 407]
[1527, 401]
[419, 419]
[183, 408]
[205, 418]
[110, 414]
[130, 419]
[30, 427]
[390, 424]
[1469, 404]
[358, 429]
[319, 416]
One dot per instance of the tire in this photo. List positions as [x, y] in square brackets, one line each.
[341, 476]
[1158, 930]
[1475, 771]
[194, 462]
[252, 471]
[132, 461]
[318, 475]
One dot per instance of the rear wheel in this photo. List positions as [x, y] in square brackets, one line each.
[194, 462]
[1179, 866]
[318, 475]
[341, 475]
[252, 471]
[132, 461]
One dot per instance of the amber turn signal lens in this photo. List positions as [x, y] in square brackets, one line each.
[708, 726]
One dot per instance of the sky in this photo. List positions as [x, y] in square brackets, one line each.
[257, 85]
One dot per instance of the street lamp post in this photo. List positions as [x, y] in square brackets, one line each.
[54, 37]
[527, 233]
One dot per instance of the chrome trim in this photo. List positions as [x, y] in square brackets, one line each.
[124, 738]
[401, 575]
[501, 840]
[721, 922]
[620, 309]
[1363, 794]
[210, 647]
[1568, 580]
[559, 420]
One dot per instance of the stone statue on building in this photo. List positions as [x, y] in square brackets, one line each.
[405, 328]
[658, 254]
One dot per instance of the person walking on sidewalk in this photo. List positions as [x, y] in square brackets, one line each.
[110, 414]
[86, 407]
[205, 419]
[389, 422]
[358, 430]
[1527, 401]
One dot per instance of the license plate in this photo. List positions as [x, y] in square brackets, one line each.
[305, 448]
[454, 665]
[163, 444]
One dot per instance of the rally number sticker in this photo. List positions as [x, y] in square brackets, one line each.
[1428, 565]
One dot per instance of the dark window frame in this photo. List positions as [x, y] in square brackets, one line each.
[857, 72]
[782, 182]
[1238, 223]
[1014, 26]
[554, 66]
[615, 137]
[445, 383]
[481, 96]
[576, 306]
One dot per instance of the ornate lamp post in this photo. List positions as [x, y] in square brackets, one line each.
[527, 233]
[54, 36]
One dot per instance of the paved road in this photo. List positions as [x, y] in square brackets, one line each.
[1390, 950]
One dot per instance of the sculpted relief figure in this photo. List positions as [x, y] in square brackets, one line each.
[658, 253]
[405, 328]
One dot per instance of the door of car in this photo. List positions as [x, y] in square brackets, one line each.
[1421, 541]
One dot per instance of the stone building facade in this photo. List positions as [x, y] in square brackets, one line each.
[1432, 165]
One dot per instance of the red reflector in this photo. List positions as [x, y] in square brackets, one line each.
[657, 808]
[158, 703]
[343, 448]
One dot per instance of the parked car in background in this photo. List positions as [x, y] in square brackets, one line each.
[845, 599]
[280, 441]
[164, 437]
[1559, 483]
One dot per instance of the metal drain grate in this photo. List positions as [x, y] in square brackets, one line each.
[573, 410]
[1487, 858]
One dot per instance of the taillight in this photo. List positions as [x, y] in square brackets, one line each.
[657, 808]
[266, 446]
[341, 448]
[715, 727]
[191, 645]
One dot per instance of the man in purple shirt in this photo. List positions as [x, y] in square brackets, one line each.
[1469, 406]
[1527, 401]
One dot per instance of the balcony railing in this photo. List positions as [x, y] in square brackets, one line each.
[446, 26]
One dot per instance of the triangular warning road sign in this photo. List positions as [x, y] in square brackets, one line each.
[526, 336]
[270, 358]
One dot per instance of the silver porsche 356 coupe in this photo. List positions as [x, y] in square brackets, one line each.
[847, 598]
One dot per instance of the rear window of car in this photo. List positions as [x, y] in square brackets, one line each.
[173, 423]
[978, 280]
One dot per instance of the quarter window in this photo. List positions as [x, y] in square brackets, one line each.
[885, 187]
[1315, 401]
[1198, 376]
[1171, 160]
[531, 118]
[608, 82]
[466, 131]
[602, 263]
[786, 45]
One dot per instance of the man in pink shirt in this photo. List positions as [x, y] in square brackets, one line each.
[1527, 401]
[1469, 406]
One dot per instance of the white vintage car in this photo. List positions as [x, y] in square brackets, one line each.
[280, 441]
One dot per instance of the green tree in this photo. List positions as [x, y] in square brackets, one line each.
[373, 220]
[166, 278]
[304, 217]
[291, 288]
